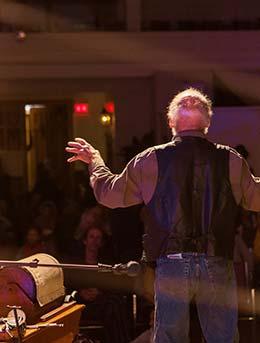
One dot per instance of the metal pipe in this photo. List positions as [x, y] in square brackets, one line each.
[132, 268]
[36, 264]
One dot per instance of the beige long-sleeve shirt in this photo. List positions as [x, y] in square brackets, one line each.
[137, 182]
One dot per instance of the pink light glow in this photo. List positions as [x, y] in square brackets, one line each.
[81, 109]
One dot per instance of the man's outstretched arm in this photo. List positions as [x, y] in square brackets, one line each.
[250, 185]
[245, 186]
[111, 190]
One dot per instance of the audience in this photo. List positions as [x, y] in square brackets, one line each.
[77, 230]
[33, 243]
[46, 221]
[102, 305]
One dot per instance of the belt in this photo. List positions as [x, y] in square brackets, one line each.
[185, 255]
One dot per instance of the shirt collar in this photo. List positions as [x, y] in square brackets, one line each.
[192, 133]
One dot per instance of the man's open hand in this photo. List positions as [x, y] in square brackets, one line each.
[82, 150]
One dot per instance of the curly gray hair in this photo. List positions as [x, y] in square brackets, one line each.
[189, 100]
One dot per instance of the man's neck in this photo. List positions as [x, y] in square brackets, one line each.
[191, 132]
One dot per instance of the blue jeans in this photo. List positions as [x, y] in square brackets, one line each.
[210, 281]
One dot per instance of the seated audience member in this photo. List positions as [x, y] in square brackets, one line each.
[47, 222]
[8, 236]
[93, 216]
[101, 304]
[66, 225]
[46, 183]
[33, 244]
[49, 241]
[47, 216]
[83, 192]
[6, 227]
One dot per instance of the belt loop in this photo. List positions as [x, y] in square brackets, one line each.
[175, 256]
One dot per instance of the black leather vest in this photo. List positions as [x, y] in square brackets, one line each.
[193, 208]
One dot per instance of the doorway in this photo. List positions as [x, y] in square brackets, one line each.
[47, 127]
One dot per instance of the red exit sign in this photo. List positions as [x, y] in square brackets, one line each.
[81, 109]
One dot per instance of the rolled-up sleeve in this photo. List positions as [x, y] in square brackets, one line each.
[250, 186]
[116, 190]
[245, 186]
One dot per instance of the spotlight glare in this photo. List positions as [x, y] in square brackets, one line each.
[21, 36]
[106, 119]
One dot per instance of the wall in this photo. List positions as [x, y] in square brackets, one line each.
[141, 71]
[99, 54]
[238, 125]
[133, 100]
[201, 10]
[89, 126]
[62, 16]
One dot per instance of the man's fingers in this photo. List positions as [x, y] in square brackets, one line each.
[75, 145]
[81, 149]
[81, 141]
[72, 159]
[78, 151]
[73, 150]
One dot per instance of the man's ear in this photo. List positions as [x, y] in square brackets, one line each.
[207, 125]
[171, 123]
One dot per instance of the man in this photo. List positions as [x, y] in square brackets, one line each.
[191, 189]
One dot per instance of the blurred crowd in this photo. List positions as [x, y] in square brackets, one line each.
[76, 229]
